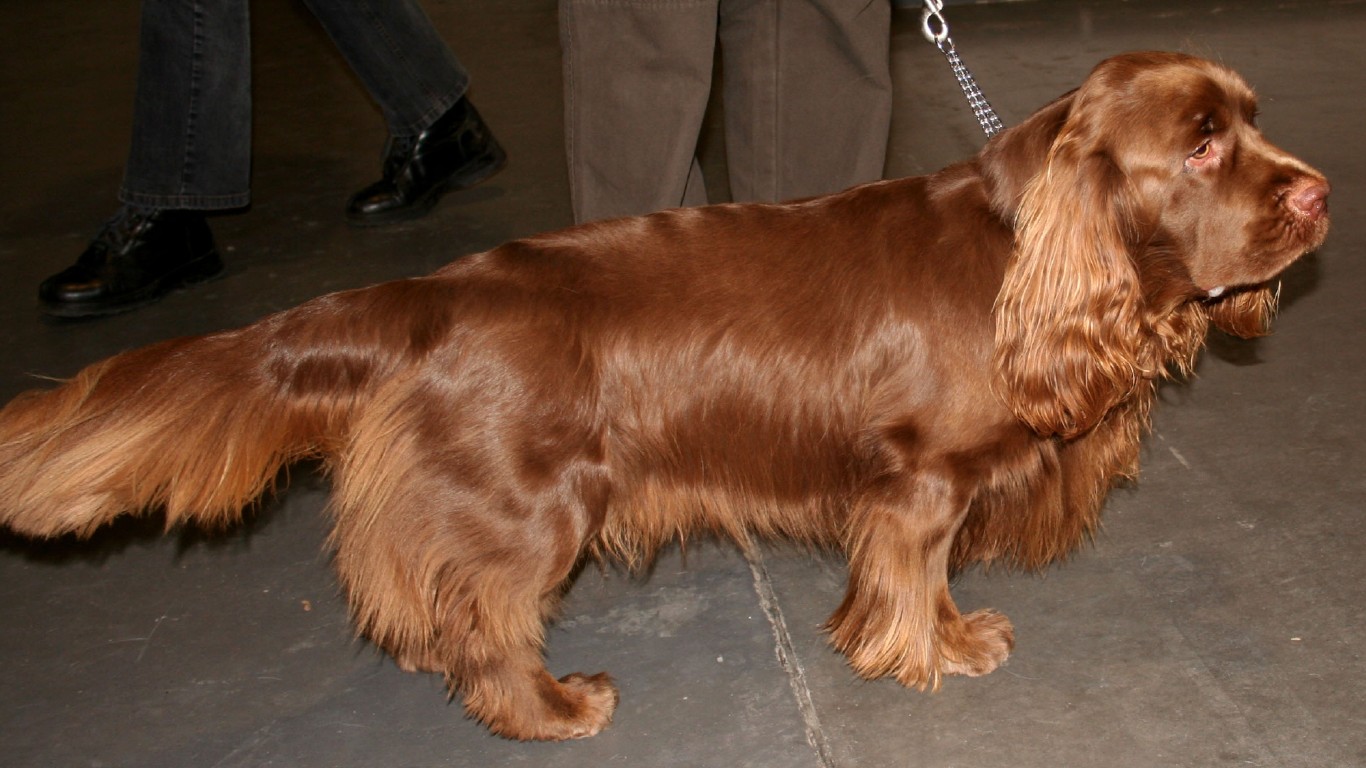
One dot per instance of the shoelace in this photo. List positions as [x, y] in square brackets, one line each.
[122, 227]
[398, 151]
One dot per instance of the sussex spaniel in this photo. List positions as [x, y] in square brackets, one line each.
[924, 373]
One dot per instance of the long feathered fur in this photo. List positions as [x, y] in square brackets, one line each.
[923, 373]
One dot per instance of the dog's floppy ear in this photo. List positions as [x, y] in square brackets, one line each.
[1012, 158]
[1068, 317]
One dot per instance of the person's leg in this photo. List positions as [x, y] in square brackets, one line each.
[636, 78]
[191, 146]
[437, 140]
[399, 57]
[807, 95]
[191, 152]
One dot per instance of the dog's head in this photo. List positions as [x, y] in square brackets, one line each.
[1153, 207]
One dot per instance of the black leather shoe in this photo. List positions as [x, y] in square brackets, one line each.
[138, 257]
[456, 152]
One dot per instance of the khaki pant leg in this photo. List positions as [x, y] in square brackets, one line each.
[636, 78]
[808, 94]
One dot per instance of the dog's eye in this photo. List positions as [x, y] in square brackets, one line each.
[1204, 157]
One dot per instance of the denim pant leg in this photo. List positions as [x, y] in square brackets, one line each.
[398, 56]
[191, 144]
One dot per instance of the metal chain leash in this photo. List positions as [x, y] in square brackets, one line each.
[936, 30]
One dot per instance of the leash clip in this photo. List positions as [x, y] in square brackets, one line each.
[936, 30]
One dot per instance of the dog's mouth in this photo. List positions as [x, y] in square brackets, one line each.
[1295, 236]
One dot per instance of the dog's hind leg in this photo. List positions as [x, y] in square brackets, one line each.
[492, 646]
[898, 618]
[454, 540]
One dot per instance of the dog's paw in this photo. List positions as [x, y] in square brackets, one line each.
[542, 708]
[596, 699]
[981, 644]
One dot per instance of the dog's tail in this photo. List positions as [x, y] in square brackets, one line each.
[201, 426]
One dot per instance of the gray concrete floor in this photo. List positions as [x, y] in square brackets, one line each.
[1216, 620]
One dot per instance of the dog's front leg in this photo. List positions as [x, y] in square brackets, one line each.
[898, 618]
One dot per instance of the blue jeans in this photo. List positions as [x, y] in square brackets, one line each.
[191, 145]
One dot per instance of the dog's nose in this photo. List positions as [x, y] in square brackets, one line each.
[1310, 198]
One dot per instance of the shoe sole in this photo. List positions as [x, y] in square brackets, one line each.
[201, 270]
[488, 167]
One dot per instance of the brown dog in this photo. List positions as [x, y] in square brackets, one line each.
[926, 373]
